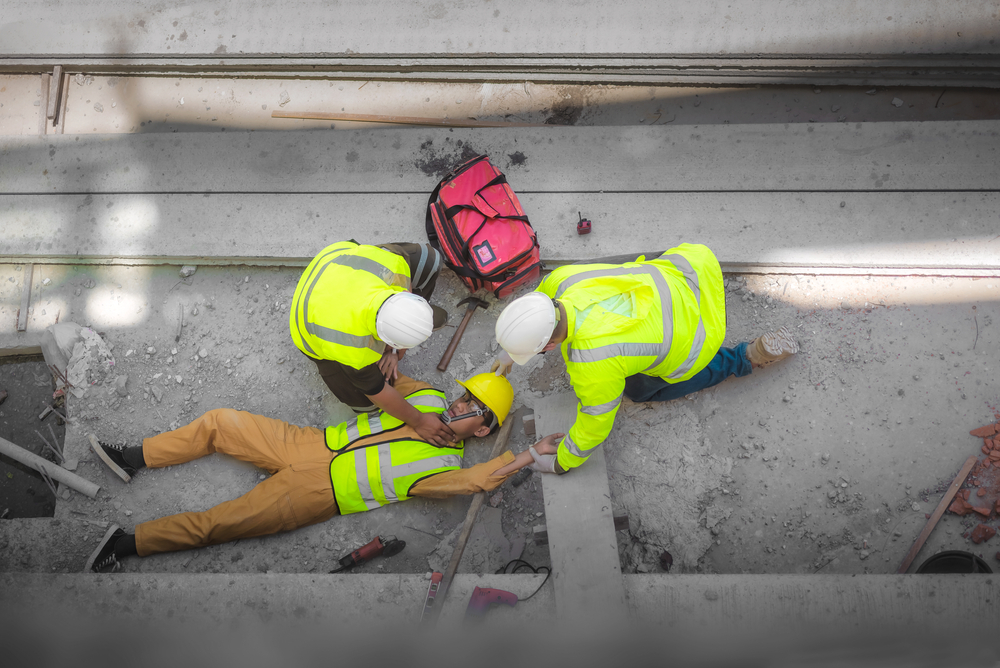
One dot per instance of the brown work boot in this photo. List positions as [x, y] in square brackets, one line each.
[771, 347]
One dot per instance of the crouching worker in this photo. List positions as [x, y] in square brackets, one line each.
[359, 465]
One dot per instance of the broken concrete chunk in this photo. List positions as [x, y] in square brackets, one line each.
[984, 431]
[896, 102]
[121, 385]
[960, 506]
[187, 270]
[982, 533]
[157, 393]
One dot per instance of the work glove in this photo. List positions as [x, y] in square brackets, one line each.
[543, 463]
[502, 364]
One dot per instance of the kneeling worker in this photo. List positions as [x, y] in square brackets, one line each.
[650, 330]
[371, 461]
[355, 311]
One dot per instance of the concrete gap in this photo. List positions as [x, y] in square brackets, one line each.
[29, 387]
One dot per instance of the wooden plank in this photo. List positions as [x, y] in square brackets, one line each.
[43, 104]
[401, 120]
[936, 515]
[429, 27]
[940, 231]
[821, 157]
[470, 519]
[55, 89]
[60, 122]
[583, 549]
[22, 313]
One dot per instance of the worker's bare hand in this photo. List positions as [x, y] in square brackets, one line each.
[389, 364]
[549, 445]
[431, 429]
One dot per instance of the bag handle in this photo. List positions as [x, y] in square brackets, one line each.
[432, 236]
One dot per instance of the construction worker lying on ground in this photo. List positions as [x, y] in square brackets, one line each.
[356, 310]
[650, 330]
[354, 466]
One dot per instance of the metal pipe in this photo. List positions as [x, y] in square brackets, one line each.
[58, 473]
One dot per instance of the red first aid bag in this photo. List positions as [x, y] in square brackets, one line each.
[476, 220]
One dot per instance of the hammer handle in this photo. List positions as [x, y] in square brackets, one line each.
[450, 350]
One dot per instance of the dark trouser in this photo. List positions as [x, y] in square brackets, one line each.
[727, 362]
[333, 375]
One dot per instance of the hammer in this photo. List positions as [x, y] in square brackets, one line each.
[473, 302]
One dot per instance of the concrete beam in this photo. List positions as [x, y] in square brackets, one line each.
[451, 27]
[940, 233]
[583, 548]
[865, 157]
[732, 619]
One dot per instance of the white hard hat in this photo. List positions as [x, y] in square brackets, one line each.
[526, 325]
[404, 320]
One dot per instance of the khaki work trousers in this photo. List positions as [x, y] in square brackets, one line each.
[298, 492]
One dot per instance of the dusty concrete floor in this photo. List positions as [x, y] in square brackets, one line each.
[826, 462]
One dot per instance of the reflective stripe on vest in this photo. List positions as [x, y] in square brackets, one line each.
[342, 257]
[575, 449]
[601, 409]
[691, 276]
[625, 349]
[419, 276]
[368, 424]
[388, 474]
[660, 350]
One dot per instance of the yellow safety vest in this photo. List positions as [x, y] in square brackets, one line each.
[667, 318]
[337, 299]
[379, 458]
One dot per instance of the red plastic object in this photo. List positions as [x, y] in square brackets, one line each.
[583, 227]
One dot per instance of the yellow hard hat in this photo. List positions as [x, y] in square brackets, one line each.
[494, 391]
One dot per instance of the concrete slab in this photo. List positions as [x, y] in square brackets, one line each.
[425, 27]
[824, 157]
[923, 232]
[341, 600]
[147, 104]
[708, 619]
[582, 544]
[762, 195]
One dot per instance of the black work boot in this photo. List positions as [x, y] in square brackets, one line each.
[104, 559]
[114, 457]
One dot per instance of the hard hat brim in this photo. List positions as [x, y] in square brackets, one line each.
[522, 359]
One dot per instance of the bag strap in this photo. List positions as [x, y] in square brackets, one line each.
[432, 236]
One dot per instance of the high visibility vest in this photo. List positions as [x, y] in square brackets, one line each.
[379, 458]
[337, 299]
[668, 319]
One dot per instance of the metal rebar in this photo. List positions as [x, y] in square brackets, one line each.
[48, 445]
[48, 480]
[65, 419]
[55, 440]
